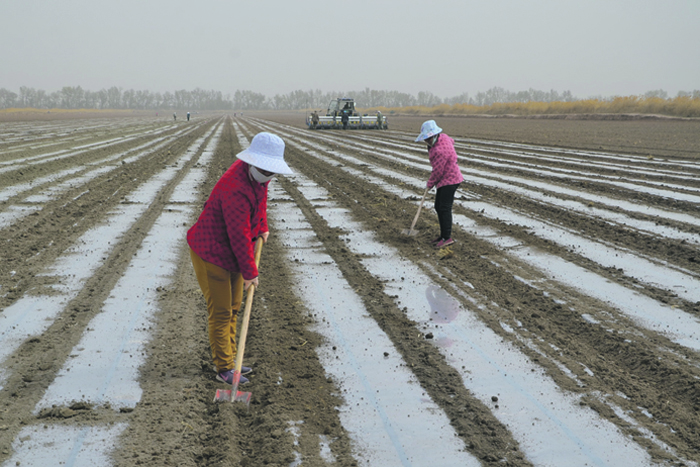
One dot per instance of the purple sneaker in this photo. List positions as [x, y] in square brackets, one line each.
[443, 243]
[435, 241]
[227, 377]
[245, 370]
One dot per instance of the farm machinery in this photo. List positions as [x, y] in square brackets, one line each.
[342, 114]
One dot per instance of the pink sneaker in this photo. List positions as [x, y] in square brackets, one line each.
[443, 243]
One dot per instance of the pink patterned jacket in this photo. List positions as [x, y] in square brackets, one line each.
[234, 214]
[443, 159]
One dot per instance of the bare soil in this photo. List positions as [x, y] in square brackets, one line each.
[177, 422]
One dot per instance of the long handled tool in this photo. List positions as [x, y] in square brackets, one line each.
[233, 394]
[412, 232]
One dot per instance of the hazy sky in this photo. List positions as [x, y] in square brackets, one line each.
[447, 47]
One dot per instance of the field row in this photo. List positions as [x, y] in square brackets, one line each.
[561, 328]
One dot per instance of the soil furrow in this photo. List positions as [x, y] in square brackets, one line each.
[40, 237]
[639, 380]
[625, 366]
[36, 361]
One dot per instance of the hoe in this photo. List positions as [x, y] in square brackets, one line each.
[233, 394]
[410, 232]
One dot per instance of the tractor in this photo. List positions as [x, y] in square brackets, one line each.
[342, 114]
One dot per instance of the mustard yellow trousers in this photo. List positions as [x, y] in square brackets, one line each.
[223, 293]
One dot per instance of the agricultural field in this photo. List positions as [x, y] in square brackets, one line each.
[562, 328]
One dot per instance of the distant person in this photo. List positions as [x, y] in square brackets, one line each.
[222, 243]
[345, 118]
[445, 175]
[379, 120]
[188, 116]
[314, 120]
[174, 116]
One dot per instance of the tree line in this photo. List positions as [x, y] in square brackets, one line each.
[70, 97]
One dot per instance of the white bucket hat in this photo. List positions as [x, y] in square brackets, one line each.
[427, 130]
[266, 152]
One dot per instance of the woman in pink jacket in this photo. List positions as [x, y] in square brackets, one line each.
[445, 175]
[222, 242]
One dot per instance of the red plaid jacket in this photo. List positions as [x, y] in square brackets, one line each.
[443, 160]
[234, 214]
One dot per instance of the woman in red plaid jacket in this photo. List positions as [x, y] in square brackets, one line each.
[222, 242]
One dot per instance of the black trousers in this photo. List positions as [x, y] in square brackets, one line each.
[444, 198]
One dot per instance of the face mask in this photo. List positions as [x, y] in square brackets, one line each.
[258, 177]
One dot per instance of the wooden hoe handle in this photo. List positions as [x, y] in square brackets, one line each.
[246, 313]
[420, 206]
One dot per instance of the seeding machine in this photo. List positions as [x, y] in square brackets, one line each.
[342, 114]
